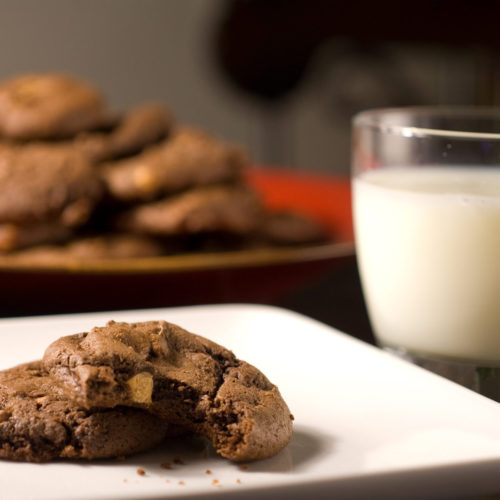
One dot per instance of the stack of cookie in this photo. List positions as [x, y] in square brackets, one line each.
[54, 130]
[79, 180]
[122, 388]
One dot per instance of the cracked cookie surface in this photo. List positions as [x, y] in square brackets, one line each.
[39, 422]
[185, 379]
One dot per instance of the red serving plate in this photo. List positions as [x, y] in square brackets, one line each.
[259, 275]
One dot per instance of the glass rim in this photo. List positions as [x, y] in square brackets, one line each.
[380, 118]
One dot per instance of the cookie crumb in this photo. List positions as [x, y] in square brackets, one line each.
[208, 471]
[181, 483]
[141, 472]
[125, 480]
[167, 480]
[292, 417]
[243, 466]
[238, 481]
[215, 482]
[166, 465]
[178, 461]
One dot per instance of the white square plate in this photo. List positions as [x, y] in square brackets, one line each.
[366, 424]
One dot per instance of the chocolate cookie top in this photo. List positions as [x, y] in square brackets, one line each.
[48, 106]
[182, 377]
[232, 209]
[43, 181]
[189, 158]
[38, 422]
[140, 127]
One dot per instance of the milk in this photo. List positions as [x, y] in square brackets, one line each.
[428, 247]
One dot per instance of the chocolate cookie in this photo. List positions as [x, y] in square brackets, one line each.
[189, 158]
[231, 209]
[184, 378]
[15, 236]
[142, 126]
[48, 106]
[38, 422]
[110, 246]
[290, 228]
[46, 182]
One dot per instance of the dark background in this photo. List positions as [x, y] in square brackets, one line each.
[283, 77]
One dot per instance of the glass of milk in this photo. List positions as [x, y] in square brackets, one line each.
[426, 203]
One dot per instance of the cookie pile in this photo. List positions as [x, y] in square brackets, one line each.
[124, 387]
[77, 179]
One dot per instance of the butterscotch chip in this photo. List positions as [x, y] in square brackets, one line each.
[189, 158]
[39, 422]
[48, 106]
[141, 387]
[198, 384]
[231, 209]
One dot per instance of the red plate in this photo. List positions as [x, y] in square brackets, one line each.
[325, 197]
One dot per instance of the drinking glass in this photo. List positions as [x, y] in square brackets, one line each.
[426, 205]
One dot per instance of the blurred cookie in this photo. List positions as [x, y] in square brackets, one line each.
[289, 228]
[39, 422]
[46, 183]
[119, 246]
[16, 236]
[189, 158]
[140, 127]
[232, 209]
[182, 377]
[48, 106]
